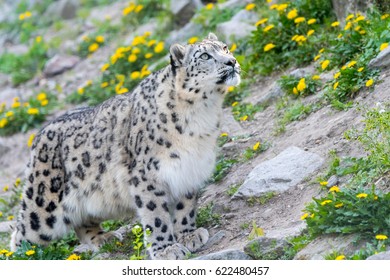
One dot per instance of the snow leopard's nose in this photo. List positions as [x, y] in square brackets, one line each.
[231, 62]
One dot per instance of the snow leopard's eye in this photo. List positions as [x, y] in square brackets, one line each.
[226, 49]
[205, 56]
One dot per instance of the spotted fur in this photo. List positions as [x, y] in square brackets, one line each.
[147, 152]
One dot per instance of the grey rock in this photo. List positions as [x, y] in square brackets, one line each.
[275, 92]
[4, 80]
[245, 16]
[322, 246]
[7, 226]
[3, 149]
[279, 174]
[380, 256]
[215, 239]
[59, 64]
[382, 60]
[229, 254]
[17, 49]
[191, 29]
[183, 10]
[234, 30]
[343, 8]
[230, 125]
[265, 248]
[65, 9]
[333, 181]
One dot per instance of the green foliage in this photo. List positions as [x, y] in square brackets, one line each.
[206, 216]
[222, 168]
[245, 111]
[258, 148]
[21, 117]
[24, 67]
[295, 112]
[299, 86]
[135, 14]
[233, 189]
[209, 18]
[282, 40]
[263, 199]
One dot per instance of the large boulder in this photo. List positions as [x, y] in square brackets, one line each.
[64, 9]
[281, 173]
[343, 8]
[382, 60]
[59, 64]
[191, 29]
[229, 254]
[380, 256]
[240, 26]
[265, 248]
[183, 10]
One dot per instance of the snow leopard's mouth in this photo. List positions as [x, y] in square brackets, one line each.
[230, 77]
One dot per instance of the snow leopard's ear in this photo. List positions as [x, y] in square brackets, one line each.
[212, 37]
[177, 52]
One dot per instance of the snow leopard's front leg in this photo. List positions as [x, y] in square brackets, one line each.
[154, 213]
[185, 223]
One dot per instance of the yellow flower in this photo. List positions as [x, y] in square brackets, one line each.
[360, 69]
[361, 195]
[274, 7]
[93, 47]
[292, 14]
[352, 63]
[9, 254]
[159, 47]
[30, 252]
[376, 197]
[230, 89]
[256, 146]
[335, 24]
[9, 114]
[22, 17]
[360, 18]
[17, 182]
[262, 21]
[310, 32]
[317, 57]
[269, 47]
[268, 27]
[339, 205]
[250, 6]
[33, 111]
[304, 216]
[6, 188]
[334, 189]
[311, 21]
[381, 237]
[104, 67]
[223, 134]
[385, 16]
[73, 257]
[315, 78]
[135, 75]
[357, 28]
[148, 55]
[147, 34]
[339, 36]
[152, 42]
[38, 39]
[132, 58]
[324, 183]
[321, 50]
[15, 105]
[339, 258]
[138, 9]
[349, 17]
[30, 140]
[128, 9]
[103, 85]
[369, 83]
[193, 40]
[244, 118]
[337, 75]
[209, 6]
[85, 38]
[301, 85]
[325, 64]
[41, 96]
[233, 47]
[27, 14]
[362, 32]
[44, 102]
[344, 67]
[295, 91]
[234, 104]
[299, 20]
[10, 218]
[348, 26]
[326, 202]
[383, 46]
[1, 215]
[99, 39]
[80, 90]
[145, 71]
[282, 7]
[121, 90]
